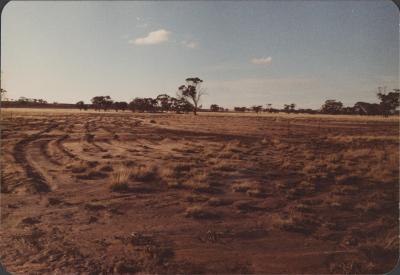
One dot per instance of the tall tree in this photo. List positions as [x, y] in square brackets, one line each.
[120, 105]
[165, 102]
[389, 101]
[215, 108]
[192, 91]
[332, 107]
[80, 105]
[102, 102]
[257, 108]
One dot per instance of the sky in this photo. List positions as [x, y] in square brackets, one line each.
[246, 52]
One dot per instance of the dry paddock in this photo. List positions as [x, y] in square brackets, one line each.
[117, 192]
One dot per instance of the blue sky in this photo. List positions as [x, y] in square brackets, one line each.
[247, 52]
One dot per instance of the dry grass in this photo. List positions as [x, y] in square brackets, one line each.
[257, 193]
[202, 183]
[174, 171]
[120, 178]
[244, 187]
[313, 184]
[299, 222]
[225, 166]
[147, 172]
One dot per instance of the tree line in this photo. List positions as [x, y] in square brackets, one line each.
[187, 100]
[189, 96]
[389, 102]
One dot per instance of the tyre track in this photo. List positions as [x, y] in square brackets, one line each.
[38, 181]
[60, 146]
[44, 148]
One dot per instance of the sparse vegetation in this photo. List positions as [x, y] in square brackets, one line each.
[108, 175]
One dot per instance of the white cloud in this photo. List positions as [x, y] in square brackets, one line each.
[189, 44]
[155, 37]
[262, 60]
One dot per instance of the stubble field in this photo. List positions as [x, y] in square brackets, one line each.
[85, 192]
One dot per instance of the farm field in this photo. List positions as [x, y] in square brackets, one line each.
[123, 192]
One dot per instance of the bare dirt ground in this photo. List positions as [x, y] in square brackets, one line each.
[166, 193]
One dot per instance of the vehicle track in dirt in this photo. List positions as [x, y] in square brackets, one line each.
[20, 154]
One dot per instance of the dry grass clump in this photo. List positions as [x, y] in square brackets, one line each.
[299, 222]
[120, 179]
[205, 188]
[201, 182]
[342, 205]
[257, 193]
[244, 187]
[247, 206]
[282, 185]
[174, 184]
[281, 146]
[233, 147]
[345, 190]
[225, 166]
[369, 207]
[92, 175]
[356, 154]
[178, 170]
[309, 155]
[78, 167]
[314, 167]
[146, 172]
[199, 212]
[166, 173]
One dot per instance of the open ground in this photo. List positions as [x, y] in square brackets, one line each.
[90, 192]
